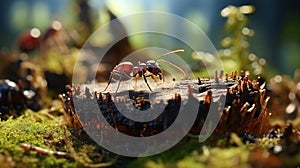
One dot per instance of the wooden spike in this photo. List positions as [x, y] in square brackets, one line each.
[199, 81]
[216, 76]
[100, 97]
[242, 73]
[190, 90]
[240, 86]
[226, 76]
[208, 97]
[221, 74]
[251, 108]
[234, 75]
[177, 98]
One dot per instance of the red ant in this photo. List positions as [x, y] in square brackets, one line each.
[148, 69]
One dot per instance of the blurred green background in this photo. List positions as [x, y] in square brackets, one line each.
[276, 23]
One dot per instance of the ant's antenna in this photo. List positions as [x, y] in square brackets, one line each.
[171, 52]
[175, 66]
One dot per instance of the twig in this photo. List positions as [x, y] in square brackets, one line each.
[43, 151]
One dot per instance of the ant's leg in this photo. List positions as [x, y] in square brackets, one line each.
[152, 76]
[109, 80]
[161, 77]
[126, 74]
[145, 79]
[121, 75]
[135, 80]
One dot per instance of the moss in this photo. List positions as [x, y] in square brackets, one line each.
[26, 129]
[189, 153]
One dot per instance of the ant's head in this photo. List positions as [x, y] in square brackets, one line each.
[142, 67]
[153, 67]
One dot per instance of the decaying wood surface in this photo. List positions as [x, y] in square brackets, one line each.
[240, 103]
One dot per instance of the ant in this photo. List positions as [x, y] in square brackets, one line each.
[148, 69]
